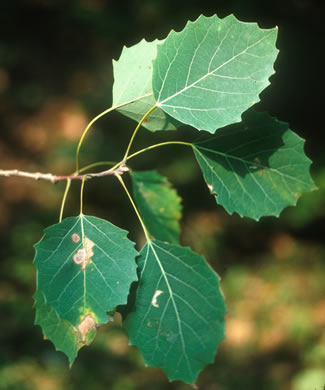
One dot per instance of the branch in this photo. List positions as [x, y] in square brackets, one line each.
[55, 178]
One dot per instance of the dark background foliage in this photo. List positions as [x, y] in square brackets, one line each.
[55, 75]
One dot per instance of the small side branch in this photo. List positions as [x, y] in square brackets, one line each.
[55, 178]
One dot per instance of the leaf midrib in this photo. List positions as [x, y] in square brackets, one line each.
[171, 294]
[160, 103]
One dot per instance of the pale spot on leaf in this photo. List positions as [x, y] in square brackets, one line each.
[87, 324]
[211, 190]
[79, 257]
[154, 298]
[84, 254]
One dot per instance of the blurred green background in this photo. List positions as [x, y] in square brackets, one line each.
[55, 75]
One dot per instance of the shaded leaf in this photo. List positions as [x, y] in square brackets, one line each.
[133, 86]
[211, 72]
[178, 318]
[63, 335]
[255, 168]
[158, 204]
[85, 268]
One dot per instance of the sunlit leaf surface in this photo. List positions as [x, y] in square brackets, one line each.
[133, 86]
[211, 72]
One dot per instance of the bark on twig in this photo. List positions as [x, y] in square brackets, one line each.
[56, 178]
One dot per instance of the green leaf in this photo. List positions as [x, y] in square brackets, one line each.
[178, 318]
[132, 87]
[211, 72]
[255, 168]
[158, 204]
[63, 335]
[85, 268]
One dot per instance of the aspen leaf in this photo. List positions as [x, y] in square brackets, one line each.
[132, 89]
[208, 74]
[255, 168]
[85, 266]
[158, 204]
[178, 317]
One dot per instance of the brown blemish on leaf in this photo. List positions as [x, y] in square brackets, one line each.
[75, 237]
[79, 257]
[84, 254]
[87, 324]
